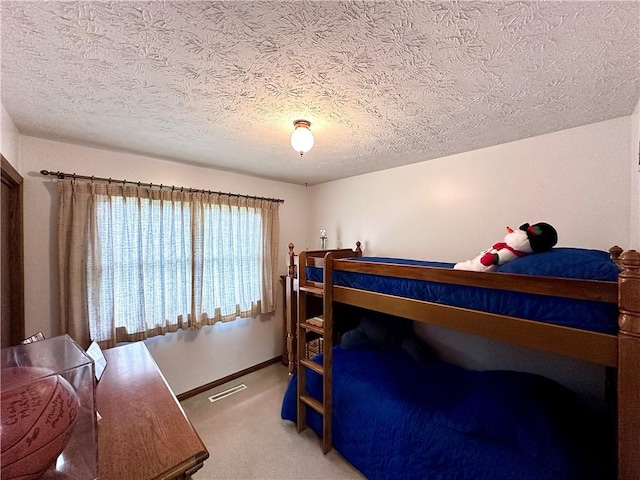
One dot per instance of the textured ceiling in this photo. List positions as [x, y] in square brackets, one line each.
[384, 84]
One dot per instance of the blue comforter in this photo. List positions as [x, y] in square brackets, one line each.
[395, 418]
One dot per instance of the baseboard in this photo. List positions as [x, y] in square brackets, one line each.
[228, 378]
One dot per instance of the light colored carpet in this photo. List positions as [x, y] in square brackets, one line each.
[247, 439]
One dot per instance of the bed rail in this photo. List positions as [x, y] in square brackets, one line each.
[586, 345]
[558, 287]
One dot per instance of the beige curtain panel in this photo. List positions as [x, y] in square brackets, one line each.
[137, 261]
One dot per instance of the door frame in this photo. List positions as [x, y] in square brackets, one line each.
[13, 180]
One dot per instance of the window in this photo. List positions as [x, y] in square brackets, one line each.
[157, 261]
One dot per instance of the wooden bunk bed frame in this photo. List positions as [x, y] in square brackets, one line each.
[621, 352]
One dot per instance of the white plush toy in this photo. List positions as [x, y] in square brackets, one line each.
[538, 237]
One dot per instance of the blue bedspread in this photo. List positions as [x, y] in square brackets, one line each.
[559, 262]
[395, 418]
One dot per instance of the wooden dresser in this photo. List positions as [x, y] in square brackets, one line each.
[144, 433]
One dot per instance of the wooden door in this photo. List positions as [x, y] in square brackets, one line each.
[12, 273]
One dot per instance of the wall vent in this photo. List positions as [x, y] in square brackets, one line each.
[226, 393]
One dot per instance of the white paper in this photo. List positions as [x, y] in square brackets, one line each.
[100, 362]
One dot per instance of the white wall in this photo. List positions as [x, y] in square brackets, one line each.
[634, 155]
[188, 359]
[449, 209]
[9, 139]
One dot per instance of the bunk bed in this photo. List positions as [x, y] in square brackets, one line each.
[614, 343]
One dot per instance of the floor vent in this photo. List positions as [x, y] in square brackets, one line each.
[226, 393]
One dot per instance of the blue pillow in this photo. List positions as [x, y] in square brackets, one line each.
[355, 338]
[379, 330]
[567, 263]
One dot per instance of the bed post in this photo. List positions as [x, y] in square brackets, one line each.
[291, 310]
[629, 367]
[614, 254]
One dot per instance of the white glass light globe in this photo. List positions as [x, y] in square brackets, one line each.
[302, 138]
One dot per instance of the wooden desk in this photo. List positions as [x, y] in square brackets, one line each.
[144, 433]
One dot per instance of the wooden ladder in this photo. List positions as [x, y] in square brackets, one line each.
[321, 325]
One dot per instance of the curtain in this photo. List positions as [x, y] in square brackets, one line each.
[137, 261]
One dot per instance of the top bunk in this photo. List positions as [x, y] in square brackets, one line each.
[568, 301]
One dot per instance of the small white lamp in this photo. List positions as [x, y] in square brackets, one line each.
[302, 138]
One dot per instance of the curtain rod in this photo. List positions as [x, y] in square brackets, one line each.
[62, 176]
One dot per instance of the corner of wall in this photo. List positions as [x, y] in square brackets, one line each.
[9, 139]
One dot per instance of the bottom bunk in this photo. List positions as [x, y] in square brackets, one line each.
[399, 414]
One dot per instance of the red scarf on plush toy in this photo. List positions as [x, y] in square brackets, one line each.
[489, 258]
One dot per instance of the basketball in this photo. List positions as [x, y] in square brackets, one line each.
[38, 415]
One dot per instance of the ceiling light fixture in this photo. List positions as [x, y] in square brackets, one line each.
[302, 138]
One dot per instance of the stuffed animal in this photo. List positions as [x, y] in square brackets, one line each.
[535, 238]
